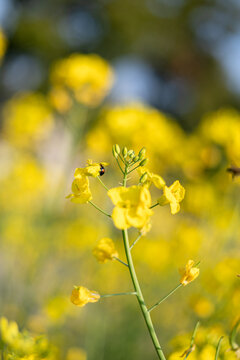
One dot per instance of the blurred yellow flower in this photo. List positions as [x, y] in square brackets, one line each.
[60, 99]
[89, 77]
[27, 119]
[75, 353]
[8, 330]
[189, 273]
[80, 190]
[151, 178]
[172, 195]
[131, 206]
[81, 296]
[91, 169]
[3, 44]
[105, 250]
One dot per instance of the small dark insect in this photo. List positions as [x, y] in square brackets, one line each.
[234, 170]
[102, 170]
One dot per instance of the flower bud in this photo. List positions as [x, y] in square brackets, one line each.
[143, 162]
[124, 152]
[143, 178]
[117, 149]
[142, 153]
[115, 154]
[130, 153]
[136, 158]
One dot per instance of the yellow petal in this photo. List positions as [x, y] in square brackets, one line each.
[119, 218]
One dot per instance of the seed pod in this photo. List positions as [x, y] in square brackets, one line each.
[143, 162]
[143, 178]
[124, 152]
[117, 149]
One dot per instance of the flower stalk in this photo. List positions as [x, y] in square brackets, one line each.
[137, 288]
[164, 298]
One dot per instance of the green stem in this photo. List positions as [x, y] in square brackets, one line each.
[133, 169]
[135, 241]
[140, 297]
[164, 298]
[99, 209]
[105, 187]
[122, 262]
[154, 205]
[194, 333]
[119, 166]
[119, 294]
[218, 347]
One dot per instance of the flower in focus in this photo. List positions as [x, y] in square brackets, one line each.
[91, 169]
[81, 296]
[172, 195]
[105, 250]
[189, 273]
[3, 44]
[80, 190]
[151, 178]
[131, 206]
[89, 77]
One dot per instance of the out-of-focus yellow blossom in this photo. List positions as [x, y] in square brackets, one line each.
[91, 169]
[131, 206]
[151, 178]
[89, 77]
[9, 331]
[81, 193]
[27, 119]
[202, 306]
[177, 355]
[172, 195]
[105, 250]
[189, 273]
[81, 296]
[208, 352]
[60, 99]
[3, 44]
[76, 354]
[223, 128]
[136, 124]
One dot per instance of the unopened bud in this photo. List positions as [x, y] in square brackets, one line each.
[143, 178]
[124, 151]
[114, 152]
[136, 158]
[142, 153]
[130, 153]
[117, 149]
[143, 162]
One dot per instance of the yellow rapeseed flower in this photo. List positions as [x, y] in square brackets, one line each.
[189, 273]
[131, 206]
[80, 190]
[151, 178]
[172, 195]
[105, 250]
[81, 296]
[91, 169]
[9, 331]
[89, 77]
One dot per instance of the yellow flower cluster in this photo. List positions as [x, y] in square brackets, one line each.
[88, 77]
[131, 206]
[23, 346]
[27, 119]
[81, 296]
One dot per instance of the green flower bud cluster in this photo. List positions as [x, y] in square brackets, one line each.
[128, 157]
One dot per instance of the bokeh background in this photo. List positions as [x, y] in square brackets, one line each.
[165, 75]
